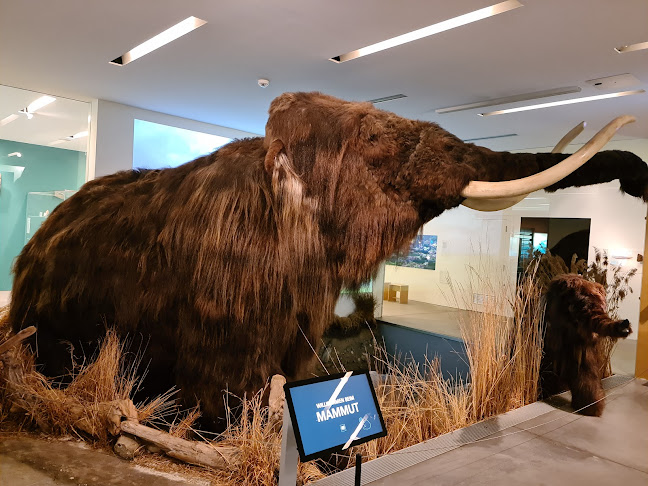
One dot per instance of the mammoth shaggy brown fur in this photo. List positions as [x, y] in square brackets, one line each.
[576, 318]
[228, 267]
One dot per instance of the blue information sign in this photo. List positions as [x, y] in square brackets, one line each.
[333, 413]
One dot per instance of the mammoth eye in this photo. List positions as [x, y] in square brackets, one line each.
[373, 138]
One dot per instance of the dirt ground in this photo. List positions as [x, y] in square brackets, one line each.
[34, 461]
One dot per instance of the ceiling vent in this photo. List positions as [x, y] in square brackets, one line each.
[614, 82]
[388, 98]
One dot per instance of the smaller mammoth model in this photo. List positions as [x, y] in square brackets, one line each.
[228, 267]
[576, 319]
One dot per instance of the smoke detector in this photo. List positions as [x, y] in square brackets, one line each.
[614, 82]
[263, 83]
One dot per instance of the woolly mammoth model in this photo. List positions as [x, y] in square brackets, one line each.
[228, 267]
[576, 318]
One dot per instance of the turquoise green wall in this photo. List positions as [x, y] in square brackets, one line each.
[46, 169]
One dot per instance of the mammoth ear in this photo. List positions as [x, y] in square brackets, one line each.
[276, 148]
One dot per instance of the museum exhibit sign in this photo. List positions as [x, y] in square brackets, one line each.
[328, 415]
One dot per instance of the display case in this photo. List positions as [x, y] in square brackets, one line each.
[39, 206]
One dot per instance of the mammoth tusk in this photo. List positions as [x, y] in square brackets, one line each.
[499, 203]
[535, 182]
[567, 139]
[492, 204]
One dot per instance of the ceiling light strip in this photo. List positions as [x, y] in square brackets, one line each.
[40, 103]
[511, 99]
[8, 119]
[633, 47]
[452, 23]
[491, 137]
[563, 102]
[163, 38]
[388, 98]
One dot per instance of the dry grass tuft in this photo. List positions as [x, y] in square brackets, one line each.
[185, 425]
[260, 446]
[417, 404]
[80, 407]
[108, 377]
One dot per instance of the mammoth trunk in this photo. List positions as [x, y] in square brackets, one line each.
[605, 166]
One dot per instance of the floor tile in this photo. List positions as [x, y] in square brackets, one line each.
[620, 435]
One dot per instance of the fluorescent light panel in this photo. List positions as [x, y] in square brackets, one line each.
[632, 47]
[388, 98]
[563, 102]
[491, 137]
[8, 119]
[39, 103]
[453, 23]
[163, 38]
[511, 99]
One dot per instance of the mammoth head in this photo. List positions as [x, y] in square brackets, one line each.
[326, 142]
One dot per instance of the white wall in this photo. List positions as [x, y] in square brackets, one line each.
[113, 150]
[469, 244]
[468, 238]
[5, 297]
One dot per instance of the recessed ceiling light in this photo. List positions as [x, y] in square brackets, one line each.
[563, 102]
[163, 38]
[39, 103]
[511, 99]
[632, 47]
[8, 119]
[452, 23]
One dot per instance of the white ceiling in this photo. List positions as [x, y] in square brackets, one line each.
[49, 126]
[63, 48]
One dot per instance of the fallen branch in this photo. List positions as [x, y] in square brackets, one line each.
[218, 457]
[16, 339]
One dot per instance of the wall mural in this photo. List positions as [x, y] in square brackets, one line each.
[422, 254]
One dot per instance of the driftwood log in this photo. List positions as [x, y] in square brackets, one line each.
[198, 453]
[16, 339]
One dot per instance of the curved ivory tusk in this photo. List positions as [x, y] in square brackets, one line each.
[535, 182]
[499, 203]
[567, 139]
[492, 204]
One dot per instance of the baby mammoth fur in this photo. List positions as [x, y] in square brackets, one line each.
[576, 318]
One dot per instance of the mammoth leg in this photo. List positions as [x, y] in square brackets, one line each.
[220, 363]
[586, 388]
[53, 354]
